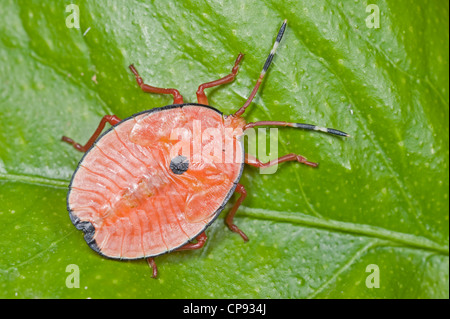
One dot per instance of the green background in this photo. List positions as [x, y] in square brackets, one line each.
[379, 197]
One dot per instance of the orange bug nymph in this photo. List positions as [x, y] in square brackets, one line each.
[138, 193]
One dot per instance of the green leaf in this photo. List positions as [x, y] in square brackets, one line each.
[378, 198]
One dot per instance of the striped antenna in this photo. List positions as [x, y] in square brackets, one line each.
[310, 127]
[264, 70]
[319, 128]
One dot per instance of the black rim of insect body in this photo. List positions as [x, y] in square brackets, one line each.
[87, 226]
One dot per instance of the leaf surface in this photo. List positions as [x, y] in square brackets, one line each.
[378, 198]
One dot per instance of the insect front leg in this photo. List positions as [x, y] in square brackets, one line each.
[230, 216]
[201, 96]
[111, 119]
[253, 161]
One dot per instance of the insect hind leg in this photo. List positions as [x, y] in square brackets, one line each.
[111, 119]
[201, 240]
[152, 265]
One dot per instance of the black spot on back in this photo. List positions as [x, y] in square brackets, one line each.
[179, 164]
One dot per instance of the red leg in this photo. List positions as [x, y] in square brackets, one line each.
[253, 161]
[201, 96]
[230, 216]
[177, 98]
[152, 264]
[111, 119]
[201, 239]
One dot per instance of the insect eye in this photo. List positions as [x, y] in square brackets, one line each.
[179, 164]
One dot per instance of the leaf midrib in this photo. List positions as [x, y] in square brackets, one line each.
[405, 239]
[35, 180]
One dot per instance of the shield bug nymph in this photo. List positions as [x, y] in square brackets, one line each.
[135, 198]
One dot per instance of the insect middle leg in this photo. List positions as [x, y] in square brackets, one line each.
[201, 96]
[111, 119]
[230, 216]
[177, 98]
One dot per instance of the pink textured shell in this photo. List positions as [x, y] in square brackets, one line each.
[128, 200]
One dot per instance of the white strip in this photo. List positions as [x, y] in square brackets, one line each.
[322, 129]
[275, 46]
[87, 30]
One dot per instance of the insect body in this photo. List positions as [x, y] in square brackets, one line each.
[138, 193]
